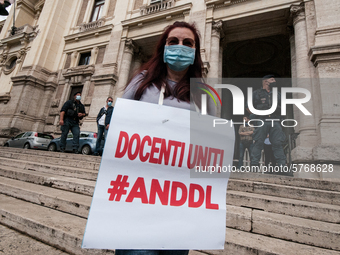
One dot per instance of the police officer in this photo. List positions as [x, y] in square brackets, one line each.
[70, 114]
[262, 100]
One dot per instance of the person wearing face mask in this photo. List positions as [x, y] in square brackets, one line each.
[262, 100]
[176, 59]
[103, 122]
[70, 114]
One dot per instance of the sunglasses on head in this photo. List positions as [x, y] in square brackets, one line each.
[186, 41]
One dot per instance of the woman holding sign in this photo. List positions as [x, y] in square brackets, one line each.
[176, 59]
[165, 79]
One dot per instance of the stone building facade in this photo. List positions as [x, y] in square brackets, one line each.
[94, 45]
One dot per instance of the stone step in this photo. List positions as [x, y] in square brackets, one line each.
[48, 168]
[310, 232]
[305, 231]
[86, 187]
[65, 232]
[61, 230]
[291, 207]
[331, 185]
[13, 242]
[66, 158]
[52, 154]
[77, 204]
[57, 199]
[59, 161]
[76, 185]
[245, 243]
[277, 190]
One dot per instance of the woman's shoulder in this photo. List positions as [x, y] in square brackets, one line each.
[131, 88]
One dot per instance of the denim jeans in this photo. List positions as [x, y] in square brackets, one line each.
[276, 136]
[151, 252]
[242, 149]
[74, 127]
[101, 131]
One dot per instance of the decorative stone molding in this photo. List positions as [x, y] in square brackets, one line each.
[297, 13]
[83, 71]
[4, 98]
[54, 111]
[25, 31]
[92, 25]
[50, 120]
[328, 53]
[216, 4]
[89, 32]
[156, 7]
[38, 8]
[7, 64]
[130, 46]
[206, 68]
[104, 79]
[176, 11]
[9, 132]
[55, 103]
[217, 29]
[21, 55]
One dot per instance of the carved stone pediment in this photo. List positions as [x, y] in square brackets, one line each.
[9, 132]
[156, 6]
[83, 71]
[21, 34]
[4, 98]
[222, 3]
[91, 25]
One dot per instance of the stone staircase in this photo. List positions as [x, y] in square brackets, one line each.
[47, 195]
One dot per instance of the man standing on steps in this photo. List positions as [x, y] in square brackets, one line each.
[103, 120]
[70, 114]
[263, 100]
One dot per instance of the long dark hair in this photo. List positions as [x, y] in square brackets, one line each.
[156, 69]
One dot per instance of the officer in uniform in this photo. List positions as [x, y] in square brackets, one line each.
[262, 100]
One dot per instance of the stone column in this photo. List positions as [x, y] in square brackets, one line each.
[94, 54]
[308, 137]
[125, 67]
[215, 50]
[215, 56]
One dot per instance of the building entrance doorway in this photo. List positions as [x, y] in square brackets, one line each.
[253, 47]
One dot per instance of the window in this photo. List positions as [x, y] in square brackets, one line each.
[82, 135]
[84, 59]
[97, 10]
[27, 134]
[46, 136]
[11, 64]
[19, 136]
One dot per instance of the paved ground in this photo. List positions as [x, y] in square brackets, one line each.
[15, 243]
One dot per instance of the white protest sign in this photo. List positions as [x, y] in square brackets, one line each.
[145, 197]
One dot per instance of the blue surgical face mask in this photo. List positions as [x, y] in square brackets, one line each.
[78, 98]
[178, 57]
[109, 103]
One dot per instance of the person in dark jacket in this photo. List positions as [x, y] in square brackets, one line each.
[103, 122]
[70, 114]
[263, 100]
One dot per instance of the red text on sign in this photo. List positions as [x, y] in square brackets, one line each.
[173, 193]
